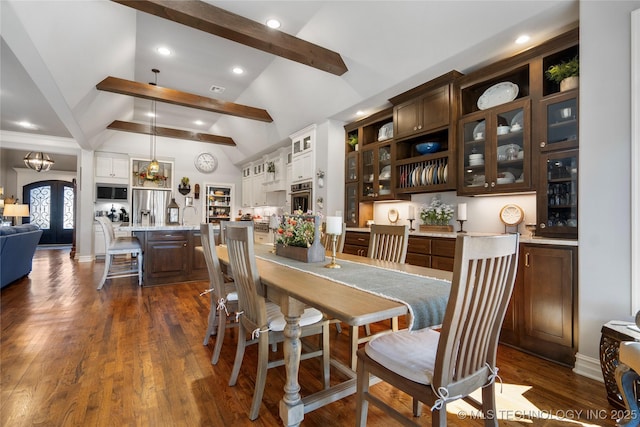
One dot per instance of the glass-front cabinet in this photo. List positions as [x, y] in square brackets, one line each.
[495, 153]
[560, 122]
[351, 204]
[376, 172]
[558, 198]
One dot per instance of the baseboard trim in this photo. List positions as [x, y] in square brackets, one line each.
[588, 367]
[84, 258]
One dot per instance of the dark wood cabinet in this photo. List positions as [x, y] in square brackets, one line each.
[425, 251]
[170, 257]
[542, 316]
[422, 114]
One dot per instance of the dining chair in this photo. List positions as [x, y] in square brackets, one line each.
[119, 246]
[263, 320]
[439, 367]
[627, 375]
[327, 239]
[386, 243]
[223, 294]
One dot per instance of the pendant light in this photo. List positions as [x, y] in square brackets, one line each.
[38, 161]
[154, 166]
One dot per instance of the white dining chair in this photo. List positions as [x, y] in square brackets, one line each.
[439, 367]
[116, 248]
[386, 243]
[263, 320]
[223, 294]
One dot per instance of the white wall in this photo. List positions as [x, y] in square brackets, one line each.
[605, 170]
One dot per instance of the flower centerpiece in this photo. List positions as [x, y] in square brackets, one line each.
[436, 216]
[298, 237]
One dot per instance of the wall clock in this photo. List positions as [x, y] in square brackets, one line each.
[511, 214]
[206, 162]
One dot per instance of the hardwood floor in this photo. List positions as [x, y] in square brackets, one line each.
[74, 356]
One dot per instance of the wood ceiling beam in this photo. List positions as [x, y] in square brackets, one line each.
[171, 133]
[219, 22]
[176, 97]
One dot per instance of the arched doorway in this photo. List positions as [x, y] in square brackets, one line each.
[51, 207]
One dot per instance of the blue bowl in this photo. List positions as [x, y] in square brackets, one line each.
[428, 147]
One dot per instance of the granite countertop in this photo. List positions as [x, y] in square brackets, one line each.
[453, 235]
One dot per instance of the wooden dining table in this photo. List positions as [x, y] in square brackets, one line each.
[294, 289]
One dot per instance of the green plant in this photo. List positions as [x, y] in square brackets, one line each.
[353, 140]
[184, 181]
[565, 69]
[297, 229]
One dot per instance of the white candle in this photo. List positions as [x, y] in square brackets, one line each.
[462, 211]
[412, 212]
[334, 225]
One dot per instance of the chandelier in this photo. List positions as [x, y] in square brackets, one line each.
[38, 161]
[154, 166]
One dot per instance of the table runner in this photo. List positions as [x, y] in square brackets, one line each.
[426, 297]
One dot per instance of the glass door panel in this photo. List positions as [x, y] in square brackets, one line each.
[510, 148]
[474, 135]
[368, 174]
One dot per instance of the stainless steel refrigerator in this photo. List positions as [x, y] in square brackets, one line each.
[152, 201]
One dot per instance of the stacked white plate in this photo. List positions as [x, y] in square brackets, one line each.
[476, 159]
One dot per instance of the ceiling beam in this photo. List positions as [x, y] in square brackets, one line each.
[219, 22]
[176, 97]
[171, 133]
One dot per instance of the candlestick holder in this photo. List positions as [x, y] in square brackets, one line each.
[461, 221]
[333, 264]
[275, 235]
[411, 224]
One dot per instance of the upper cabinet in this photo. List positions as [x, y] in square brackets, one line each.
[302, 149]
[425, 120]
[111, 168]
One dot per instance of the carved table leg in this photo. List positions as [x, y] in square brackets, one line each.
[291, 406]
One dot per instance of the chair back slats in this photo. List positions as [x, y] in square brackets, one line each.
[108, 231]
[251, 299]
[483, 278]
[207, 238]
[327, 240]
[388, 242]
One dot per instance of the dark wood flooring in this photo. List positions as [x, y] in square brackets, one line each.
[130, 356]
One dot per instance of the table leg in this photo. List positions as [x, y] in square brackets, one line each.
[291, 406]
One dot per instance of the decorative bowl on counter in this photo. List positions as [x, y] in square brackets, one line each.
[428, 147]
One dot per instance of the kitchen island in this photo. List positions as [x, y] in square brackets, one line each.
[170, 254]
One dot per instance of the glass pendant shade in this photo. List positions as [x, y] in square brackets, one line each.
[38, 161]
[154, 168]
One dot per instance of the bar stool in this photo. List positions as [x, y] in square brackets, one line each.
[119, 246]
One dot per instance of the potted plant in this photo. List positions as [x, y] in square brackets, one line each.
[184, 188]
[436, 216]
[298, 237]
[353, 142]
[566, 73]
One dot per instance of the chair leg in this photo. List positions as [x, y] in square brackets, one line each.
[489, 405]
[326, 356]
[222, 328]
[107, 266]
[362, 404]
[417, 407]
[140, 269]
[439, 417]
[242, 342]
[261, 376]
[211, 323]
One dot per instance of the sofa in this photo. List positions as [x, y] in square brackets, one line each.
[17, 247]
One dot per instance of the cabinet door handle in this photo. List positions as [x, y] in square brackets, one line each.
[415, 128]
[493, 184]
[543, 225]
[526, 260]
[486, 185]
[184, 244]
[543, 144]
[419, 126]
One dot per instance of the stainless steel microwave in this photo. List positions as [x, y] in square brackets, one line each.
[111, 192]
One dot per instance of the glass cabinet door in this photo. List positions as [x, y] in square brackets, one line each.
[384, 171]
[351, 173]
[474, 151]
[512, 149]
[558, 197]
[351, 204]
[561, 127]
[368, 175]
[376, 173]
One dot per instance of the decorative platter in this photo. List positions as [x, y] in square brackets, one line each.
[479, 128]
[498, 94]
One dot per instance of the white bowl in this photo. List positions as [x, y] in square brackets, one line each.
[503, 130]
[476, 156]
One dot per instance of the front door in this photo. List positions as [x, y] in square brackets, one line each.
[51, 207]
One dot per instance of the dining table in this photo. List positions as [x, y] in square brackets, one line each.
[295, 285]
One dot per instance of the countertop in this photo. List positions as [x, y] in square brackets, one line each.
[523, 239]
[160, 227]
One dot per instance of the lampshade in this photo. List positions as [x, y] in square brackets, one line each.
[38, 161]
[16, 210]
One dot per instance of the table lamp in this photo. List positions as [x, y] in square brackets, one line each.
[16, 210]
[334, 229]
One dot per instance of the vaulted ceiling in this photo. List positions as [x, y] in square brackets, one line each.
[53, 54]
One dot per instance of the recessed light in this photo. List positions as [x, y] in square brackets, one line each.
[523, 39]
[359, 113]
[237, 70]
[199, 122]
[150, 114]
[27, 125]
[273, 23]
[163, 51]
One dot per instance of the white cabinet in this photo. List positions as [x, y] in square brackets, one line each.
[247, 189]
[111, 168]
[259, 195]
[275, 171]
[302, 148]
